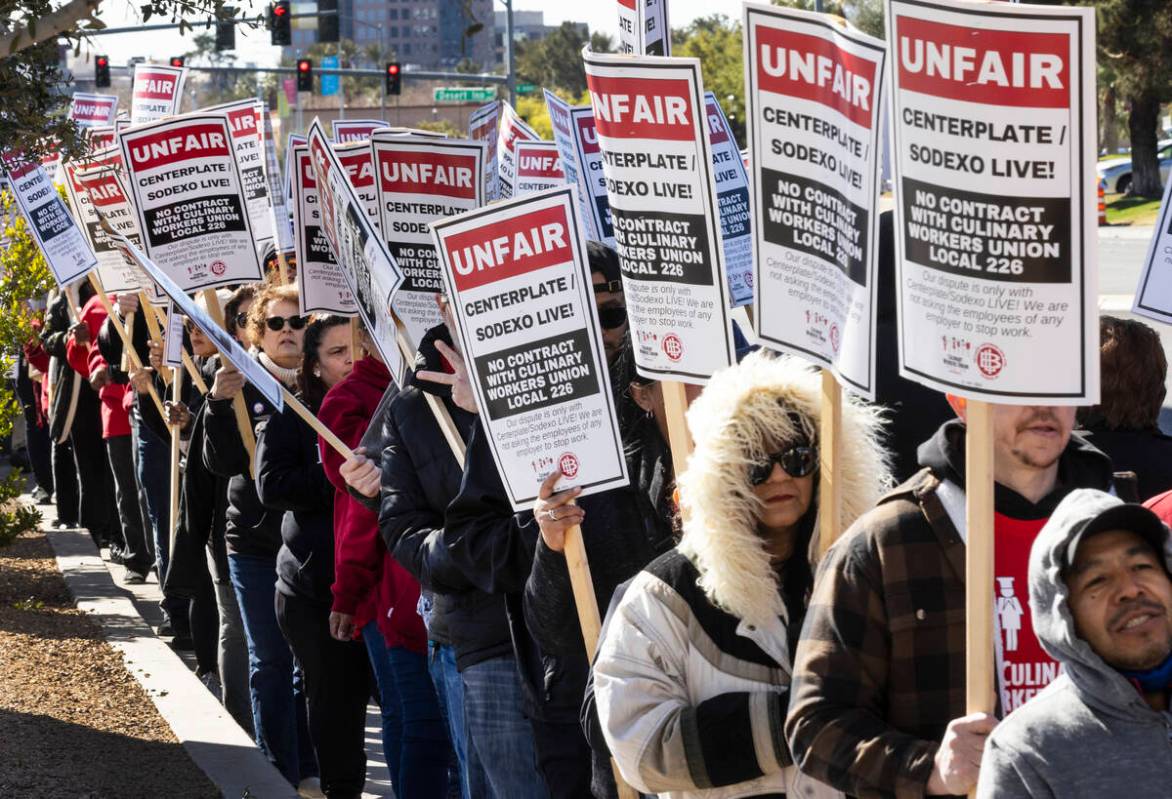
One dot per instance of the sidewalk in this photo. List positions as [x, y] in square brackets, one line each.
[128, 615]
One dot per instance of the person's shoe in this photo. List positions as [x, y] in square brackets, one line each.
[42, 497]
[117, 555]
[211, 681]
[165, 630]
[65, 525]
[310, 788]
[134, 578]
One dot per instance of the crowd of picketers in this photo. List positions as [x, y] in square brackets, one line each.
[736, 659]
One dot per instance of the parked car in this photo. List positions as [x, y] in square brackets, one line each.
[1117, 171]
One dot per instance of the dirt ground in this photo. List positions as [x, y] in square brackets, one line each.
[73, 722]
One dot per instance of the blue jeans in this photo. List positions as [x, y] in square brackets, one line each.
[278, 701]
[423, 764]
[153, 464]
[388, 699]
[498, 731]
[450, 692]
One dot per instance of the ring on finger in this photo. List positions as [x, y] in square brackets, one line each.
[552, 515]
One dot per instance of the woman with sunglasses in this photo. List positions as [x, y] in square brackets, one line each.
[253, 532]
[691, 679]
[290, 479]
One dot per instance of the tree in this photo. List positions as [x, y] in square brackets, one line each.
[555, 61]
[32, 82]
[1135, 40]
[866, 15]
[716, 41]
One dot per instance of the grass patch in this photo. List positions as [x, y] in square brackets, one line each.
[1135, 211]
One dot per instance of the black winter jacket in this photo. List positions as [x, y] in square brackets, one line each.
[251, 529]
[420, 477]
[54, 336]
[290, 479]
[110, 345]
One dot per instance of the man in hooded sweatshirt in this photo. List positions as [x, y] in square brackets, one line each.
[1101, 599]
[878, 700]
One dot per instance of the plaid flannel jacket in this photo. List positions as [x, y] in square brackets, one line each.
[879, 671]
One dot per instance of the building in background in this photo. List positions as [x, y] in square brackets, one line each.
[429, 34]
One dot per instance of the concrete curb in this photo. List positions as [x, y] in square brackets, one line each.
[212, 739]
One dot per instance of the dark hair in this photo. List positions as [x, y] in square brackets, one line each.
[232, 307]
[603, 260]
[313, 390]
[1133, 368]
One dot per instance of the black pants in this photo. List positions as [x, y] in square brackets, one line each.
[39, 449]
[337, 689]
[121, 459]
[65, 483]
[204, 620]
[99, 512]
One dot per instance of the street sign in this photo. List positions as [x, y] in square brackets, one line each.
[526, 88]
[330, 83]
[464, 94]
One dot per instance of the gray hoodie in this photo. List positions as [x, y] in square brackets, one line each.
[1089, 733]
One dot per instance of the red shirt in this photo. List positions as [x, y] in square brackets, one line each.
[1023, 667]
[87, 358]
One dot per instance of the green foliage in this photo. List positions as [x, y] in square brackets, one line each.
[15, 516]
[866, 15]
[532, 109]
[444, 126]
[716, 41]
[34, 94]
[555, 62]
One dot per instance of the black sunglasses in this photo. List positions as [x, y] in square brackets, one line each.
[798, 461]
[612, 317]
[608, 287]
[277, 323]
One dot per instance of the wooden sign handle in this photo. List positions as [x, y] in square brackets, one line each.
[243, 420]
[127, 345]
[438, 409]
[125, 363]
[829, 457]
[980, 691]
[675, 407]
[196, 378]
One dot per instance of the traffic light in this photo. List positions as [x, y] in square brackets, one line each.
[394, 78]
[327, 20]
[280, 23]
[226, 30]
[304, 75]
[177, 61]
[102, 72]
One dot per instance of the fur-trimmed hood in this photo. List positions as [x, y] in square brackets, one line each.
[746, 412]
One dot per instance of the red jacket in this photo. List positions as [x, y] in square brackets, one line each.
[86, 358]
[366, 579]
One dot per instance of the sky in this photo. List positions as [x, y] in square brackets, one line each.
[252, 46]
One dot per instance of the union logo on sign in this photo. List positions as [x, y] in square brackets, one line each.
[218, 268]
[673, 348]
[835, 337]
[568, 462]
[990, 360]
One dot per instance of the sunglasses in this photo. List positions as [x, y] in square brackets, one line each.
[277, 323]
[798, 461]
[608, 287]
[612, 317]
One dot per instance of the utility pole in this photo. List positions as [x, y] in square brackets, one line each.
[512, 78]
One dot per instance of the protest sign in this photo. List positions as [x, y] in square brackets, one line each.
[157, 92]
[577, 141]
[91, 110]
[356, 159]
[643, 27]
[1153, 298]
[815, 94]
[188, 195]
[539, 167]
[420, 182]
[732, 197]
[173, 339]
[992, 111]
[245, 120]
[281, 224]
[563, 138]
[58, 236]
[520, 287]
[352, 130]
[290, 143]
[321, 286]
[370, 271]
[512, 129]
[117, 273]
[482, 126]
[650, 118]
[99, 137]
[105, 189]
[229, 348]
